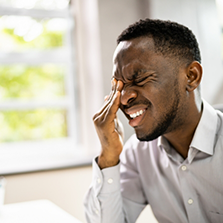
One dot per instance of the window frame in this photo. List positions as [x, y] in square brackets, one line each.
[78, 149]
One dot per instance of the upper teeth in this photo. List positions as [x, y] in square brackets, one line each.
[138, 113]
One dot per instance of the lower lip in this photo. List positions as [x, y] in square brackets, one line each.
[136, 121]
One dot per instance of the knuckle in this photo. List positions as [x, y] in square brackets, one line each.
[94, 117]
[96, 120]
[99, 122]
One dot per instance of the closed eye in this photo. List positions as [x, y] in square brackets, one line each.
[140, 80]
[147, 77]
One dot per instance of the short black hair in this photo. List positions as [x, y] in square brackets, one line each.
[170, 38]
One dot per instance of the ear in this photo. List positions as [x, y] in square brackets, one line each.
[194, 75]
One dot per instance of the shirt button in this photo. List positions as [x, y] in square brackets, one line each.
[110, 181]
[99, 180]
[96, 211]
[190, 201]
[183, 168]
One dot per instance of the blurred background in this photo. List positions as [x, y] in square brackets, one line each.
[56, 68]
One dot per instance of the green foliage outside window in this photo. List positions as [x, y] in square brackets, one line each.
[26, 82]
[32, 125]
[46, 40]
[43, 82]
[22, 33]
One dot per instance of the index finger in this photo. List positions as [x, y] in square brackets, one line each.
[120, 85]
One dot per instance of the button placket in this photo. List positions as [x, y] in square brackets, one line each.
[189, 195]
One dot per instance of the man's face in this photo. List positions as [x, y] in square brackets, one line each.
[153, 96]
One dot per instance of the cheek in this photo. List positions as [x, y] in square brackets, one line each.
[156, 94]
[165, 98]
[160, 94]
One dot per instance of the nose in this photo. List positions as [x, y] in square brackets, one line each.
[128, 95]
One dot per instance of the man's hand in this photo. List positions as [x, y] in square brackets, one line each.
[109, 129]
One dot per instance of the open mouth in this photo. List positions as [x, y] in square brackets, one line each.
[137, 117]
[136, 114]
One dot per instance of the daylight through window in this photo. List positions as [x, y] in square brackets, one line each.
[36, 71]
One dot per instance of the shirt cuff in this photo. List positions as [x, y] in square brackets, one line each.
[106, 180]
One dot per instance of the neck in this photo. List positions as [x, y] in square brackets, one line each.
[181, 138]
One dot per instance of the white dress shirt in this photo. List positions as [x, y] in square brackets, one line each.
[178, 190]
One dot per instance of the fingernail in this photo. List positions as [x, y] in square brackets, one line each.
[113, 84]
[118, 85]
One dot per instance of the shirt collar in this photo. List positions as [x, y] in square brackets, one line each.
[204, 136]
[162, 143]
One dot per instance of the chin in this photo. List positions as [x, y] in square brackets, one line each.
[147, 137]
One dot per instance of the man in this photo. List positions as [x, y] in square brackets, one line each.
[174, 161]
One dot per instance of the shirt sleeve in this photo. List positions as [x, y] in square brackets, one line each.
[103, 201]
[111, 199]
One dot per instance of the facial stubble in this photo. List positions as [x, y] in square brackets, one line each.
[168, 121]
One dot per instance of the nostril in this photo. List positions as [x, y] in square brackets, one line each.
[130, 100]
[128, 95]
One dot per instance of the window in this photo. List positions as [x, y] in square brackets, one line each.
[39, 113]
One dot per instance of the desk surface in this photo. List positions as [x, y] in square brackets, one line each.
[40, 211]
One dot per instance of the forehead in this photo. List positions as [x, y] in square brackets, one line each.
[140, 44]
[132, 55]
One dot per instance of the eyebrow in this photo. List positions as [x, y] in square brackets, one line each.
[135, 75]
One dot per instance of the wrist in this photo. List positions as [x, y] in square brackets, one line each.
[104, 162]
